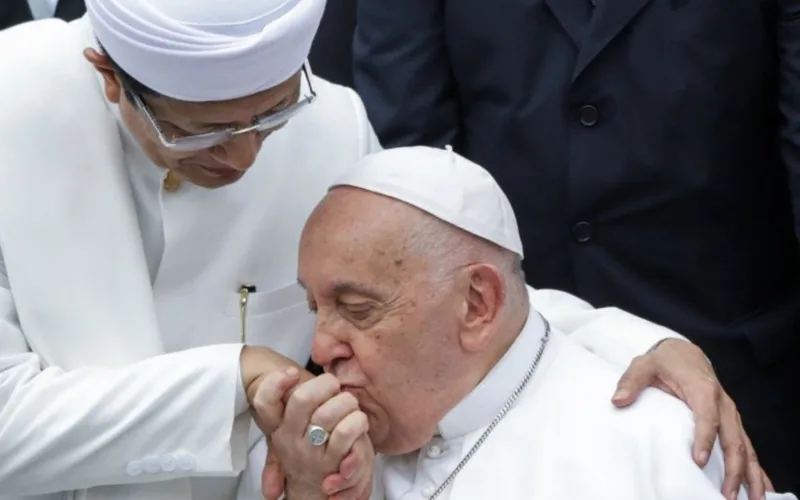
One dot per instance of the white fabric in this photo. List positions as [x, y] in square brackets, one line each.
[207, 50]
[146, 182]
[96, 384]
[563, 440]
[42, 9]
[443, 184]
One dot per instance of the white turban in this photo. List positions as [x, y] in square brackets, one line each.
[443, 184]
[207, 50]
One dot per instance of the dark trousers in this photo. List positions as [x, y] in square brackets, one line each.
[768, 398]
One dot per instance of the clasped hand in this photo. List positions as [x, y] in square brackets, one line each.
[339, 469]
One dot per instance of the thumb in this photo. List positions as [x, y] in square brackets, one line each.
[639, 375]
[272, 479]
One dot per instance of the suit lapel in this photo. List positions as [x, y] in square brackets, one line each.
[14, 12]
[573, 15]
[609, 19]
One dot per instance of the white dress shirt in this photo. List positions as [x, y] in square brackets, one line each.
[43, 9]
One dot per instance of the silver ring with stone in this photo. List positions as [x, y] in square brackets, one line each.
[317, 435]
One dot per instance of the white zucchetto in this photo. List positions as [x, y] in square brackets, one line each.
[207, 50]
[443, 184]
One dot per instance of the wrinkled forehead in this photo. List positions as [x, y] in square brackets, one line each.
[353, 234]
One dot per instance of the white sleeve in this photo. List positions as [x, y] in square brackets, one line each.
[249, 487]
[164, 418]
[368, 139]
[609, 332]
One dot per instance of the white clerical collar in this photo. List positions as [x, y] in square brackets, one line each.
[485, 401]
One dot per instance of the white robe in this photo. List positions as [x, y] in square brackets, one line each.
[562, 440]
[87, 395]
[98, 385]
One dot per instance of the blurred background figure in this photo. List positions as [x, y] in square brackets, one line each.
[13, 12]
[332, 52]
[651, 151]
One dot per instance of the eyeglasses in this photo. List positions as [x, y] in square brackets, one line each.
[186, 143]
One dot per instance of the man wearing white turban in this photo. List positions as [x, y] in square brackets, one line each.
[134, 267]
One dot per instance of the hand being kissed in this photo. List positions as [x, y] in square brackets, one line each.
[341, 467]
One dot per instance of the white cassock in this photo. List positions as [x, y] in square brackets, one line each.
[119, 305]
[563, 439]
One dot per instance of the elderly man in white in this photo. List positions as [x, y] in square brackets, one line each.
[434, 345]
[158, 159]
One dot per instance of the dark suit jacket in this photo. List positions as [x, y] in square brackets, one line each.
[17, 11]
[331, 53]
[640, 142]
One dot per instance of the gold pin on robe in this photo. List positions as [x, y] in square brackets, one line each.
[171, 182]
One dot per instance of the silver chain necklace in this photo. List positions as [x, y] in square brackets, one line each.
[506, 407]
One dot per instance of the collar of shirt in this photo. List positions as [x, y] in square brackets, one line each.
[43, 9]
[485, 401]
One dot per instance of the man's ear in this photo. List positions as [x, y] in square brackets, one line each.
[485, 297]
[111, 84]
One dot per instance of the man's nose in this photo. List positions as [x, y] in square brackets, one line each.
[240, 151]
[327, 349]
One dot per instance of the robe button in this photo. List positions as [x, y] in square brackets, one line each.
[435, 452]
[134, 468]
[168, 463]
[150, 464]
[185, 461]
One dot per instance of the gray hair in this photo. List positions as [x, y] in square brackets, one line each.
[448, 248]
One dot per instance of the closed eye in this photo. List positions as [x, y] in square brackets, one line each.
[358, 312]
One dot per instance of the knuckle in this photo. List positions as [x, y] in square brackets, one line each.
[641, 361]
[362, 422]
[349, 400]
[302, 396]
[329, 381]
[344, 432]
[712, 388]
[715, 390]
[737, 451]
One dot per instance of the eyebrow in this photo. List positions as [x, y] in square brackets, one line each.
[271, 111]
[345, 287]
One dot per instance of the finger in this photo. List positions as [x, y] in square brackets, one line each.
[272, 478]
[757, 481]
[345, 478]
[332, 411]
[344, 436]
[639, 375]
[703, 398]
[333, 484]
[351, 463]
[350, 494]
[732, 439]
[305, 399]
[268, 401]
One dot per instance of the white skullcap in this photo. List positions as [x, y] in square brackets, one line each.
[443, 184]
[207, 50]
